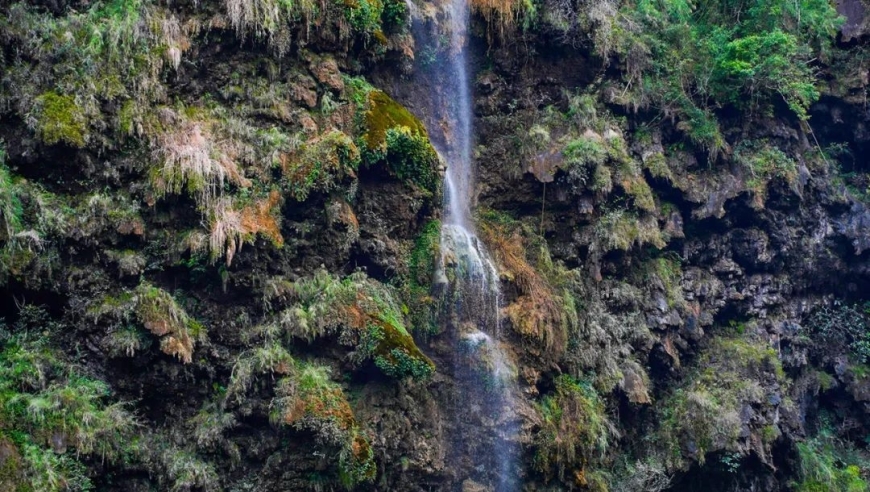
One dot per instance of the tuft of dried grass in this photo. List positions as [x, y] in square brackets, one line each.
[537, 313]
[231, 227]
[193, 158]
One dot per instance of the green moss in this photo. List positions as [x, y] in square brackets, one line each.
[389, 344]
[638, 189]
[382, 114]
[357, 462]
[668, 270]
[357, 91]
[425, 253]
[392, 136]
[769, 434]
[602, 180]
[422, 263]
[396, 354]
[59, 119]
[126, 118]
[657, 164]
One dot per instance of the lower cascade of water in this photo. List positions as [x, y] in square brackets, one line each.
[485, 374]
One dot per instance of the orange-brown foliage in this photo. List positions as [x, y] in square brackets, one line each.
[259, 218]
[536, 313]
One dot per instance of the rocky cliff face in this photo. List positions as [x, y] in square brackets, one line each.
[221, 231]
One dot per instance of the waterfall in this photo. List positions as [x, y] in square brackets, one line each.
[485, 376]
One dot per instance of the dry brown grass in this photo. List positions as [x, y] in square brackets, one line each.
[501, 15]
[163, 317]
[537, 312]
[231, 227]
[193, 158]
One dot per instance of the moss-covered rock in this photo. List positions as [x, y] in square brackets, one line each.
[59, 119]
[383, 113]
[365, 314]
[395, 137]
[321, 164]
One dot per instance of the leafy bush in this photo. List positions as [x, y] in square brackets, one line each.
[764, 162]
[162, 316]
[412, 158]
[321, 164]
[308, 399]
[67, 65]
[842, 328]
[363, 313]
[687, 59]
[829, 464]
[48, 405]
[10, 203]
[158, 312]
[621, 229]
[574, 429]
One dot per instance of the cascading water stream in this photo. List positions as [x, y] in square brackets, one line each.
[485, 378]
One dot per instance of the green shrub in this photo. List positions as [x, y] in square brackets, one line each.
[412, 158]
[574, 431]
[585, 151]
[702, 415]
[158, 311]
[621, 229]
[841, 328]
[688, 59]
[364, 15]
[321, 164]
[395, 15]
[364, 313]
[764, 163]
[830, 465]
[307, 399]
[47, 405]
[10, 203]
[67, 66]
